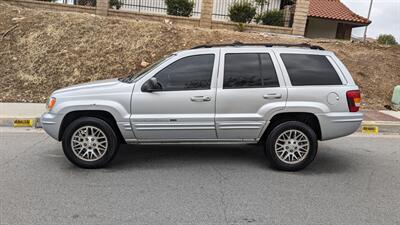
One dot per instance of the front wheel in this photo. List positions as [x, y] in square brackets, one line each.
[291, 146]
[90, 142]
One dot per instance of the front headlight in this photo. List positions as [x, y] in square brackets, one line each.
[50, 103]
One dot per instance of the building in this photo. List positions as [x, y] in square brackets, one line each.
[332, 19]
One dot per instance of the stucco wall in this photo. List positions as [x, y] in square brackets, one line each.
[320, 28]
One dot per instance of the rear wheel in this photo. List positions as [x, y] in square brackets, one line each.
[291, 146]
[90, 142]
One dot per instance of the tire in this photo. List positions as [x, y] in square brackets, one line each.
[290, 153]
[101, 143]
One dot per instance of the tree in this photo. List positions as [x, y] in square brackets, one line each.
[387, 39]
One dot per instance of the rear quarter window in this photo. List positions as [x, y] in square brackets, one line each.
[305, 69]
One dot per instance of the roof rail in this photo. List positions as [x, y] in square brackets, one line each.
[238, 44]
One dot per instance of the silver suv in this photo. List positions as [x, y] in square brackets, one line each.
[285, 97]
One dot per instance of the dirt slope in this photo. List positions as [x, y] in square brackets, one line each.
[41, 51]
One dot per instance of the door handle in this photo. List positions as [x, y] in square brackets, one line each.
[200, 98]
[272, 96]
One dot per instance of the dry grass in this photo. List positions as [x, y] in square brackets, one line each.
[50, 50]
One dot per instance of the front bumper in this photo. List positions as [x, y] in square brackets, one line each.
[334, 125]
[51, 123]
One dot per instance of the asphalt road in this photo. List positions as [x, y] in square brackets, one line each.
[354, 180]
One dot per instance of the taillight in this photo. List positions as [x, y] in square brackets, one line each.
[353, 100]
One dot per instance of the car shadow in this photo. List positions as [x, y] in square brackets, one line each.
[328, 160]
[150, 156]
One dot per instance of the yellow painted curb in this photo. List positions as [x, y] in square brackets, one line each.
[24, 122]
[370, 129]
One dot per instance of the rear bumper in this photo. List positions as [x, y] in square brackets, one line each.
[334, 125]
[51, 124]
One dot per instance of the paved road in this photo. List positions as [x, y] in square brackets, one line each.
[354, 180]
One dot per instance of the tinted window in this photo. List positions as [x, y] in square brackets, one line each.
[249, 70]
[310, 70]
[269, 78]
[189, 73]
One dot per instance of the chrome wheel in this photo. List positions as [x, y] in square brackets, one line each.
[292, 146]
[89, 143]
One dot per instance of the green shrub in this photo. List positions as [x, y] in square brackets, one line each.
[387, 39]
[86, 2]
[273, 18]
[114, 4]
[179, 7]
[257, 18]
[242, 12]
[241, 27]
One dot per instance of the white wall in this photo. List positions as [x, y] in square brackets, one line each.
[70, 2]
[321, 28]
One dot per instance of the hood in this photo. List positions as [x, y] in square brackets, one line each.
[88, 86]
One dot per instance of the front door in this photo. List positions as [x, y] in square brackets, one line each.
[184, 108]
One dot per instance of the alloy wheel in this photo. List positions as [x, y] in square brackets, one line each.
[292, 146]
[89, 143]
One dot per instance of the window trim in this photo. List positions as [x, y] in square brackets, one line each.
[258, 53]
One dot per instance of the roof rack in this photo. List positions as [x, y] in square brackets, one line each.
[238, 44]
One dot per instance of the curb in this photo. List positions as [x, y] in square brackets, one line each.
[369, 127]
[20, 122]
[381, 127]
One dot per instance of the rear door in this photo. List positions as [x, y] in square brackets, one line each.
[250, 89]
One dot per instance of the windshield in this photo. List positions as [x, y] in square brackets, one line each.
[137, 76]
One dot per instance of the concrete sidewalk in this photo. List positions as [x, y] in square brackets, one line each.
[383, 121]
[10, 113]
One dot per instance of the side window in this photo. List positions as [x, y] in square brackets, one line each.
[189, 73]
[249, 70]
[269, 78]
[306, 69]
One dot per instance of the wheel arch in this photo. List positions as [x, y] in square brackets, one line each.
[100, 114]
[305, 117]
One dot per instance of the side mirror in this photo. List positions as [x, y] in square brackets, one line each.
[151, 85]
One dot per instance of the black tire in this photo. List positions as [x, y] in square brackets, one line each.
[272, 155]
[112, 145]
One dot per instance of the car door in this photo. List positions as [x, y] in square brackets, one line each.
[184, 109]
[250, 89]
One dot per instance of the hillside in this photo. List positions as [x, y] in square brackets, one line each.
[41, 51]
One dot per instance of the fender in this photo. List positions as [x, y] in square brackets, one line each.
[268, 111]
[117, 110]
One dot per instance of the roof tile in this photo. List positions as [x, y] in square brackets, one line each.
[334, 9]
